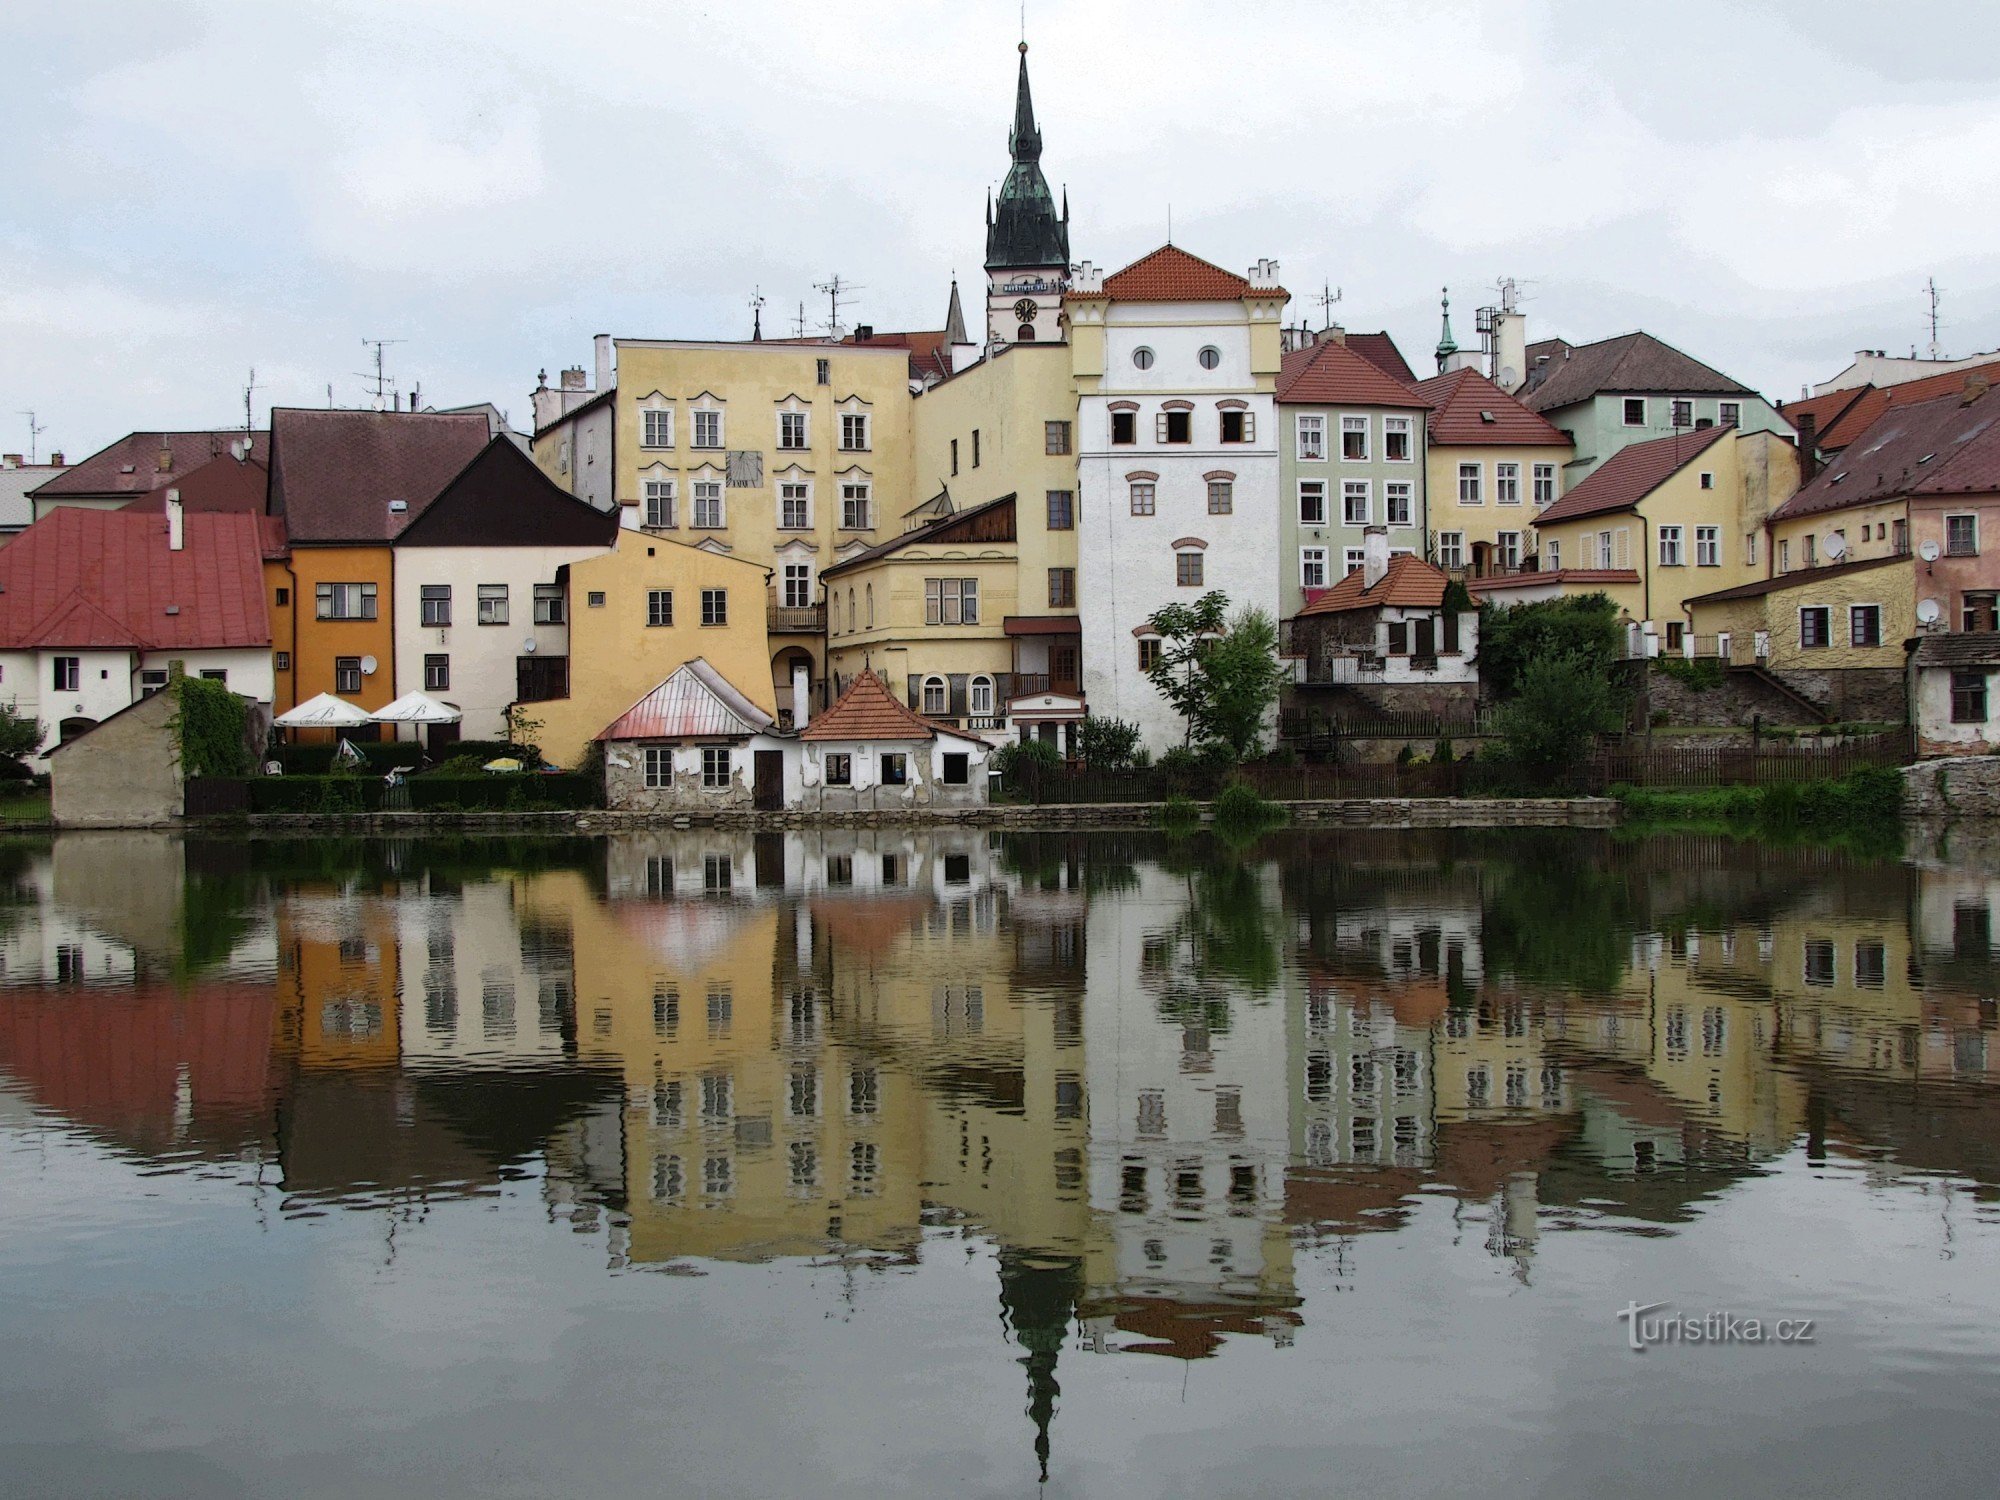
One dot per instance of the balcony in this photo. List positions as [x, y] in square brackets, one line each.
[791, 619]
[1041, 682]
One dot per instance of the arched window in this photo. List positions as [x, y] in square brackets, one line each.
[871, 606]
[937, 696]
[980, 696]
[852, 618]
[1026, 334]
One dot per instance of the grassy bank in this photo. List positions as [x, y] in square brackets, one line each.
[1862, 810]
[33, 808]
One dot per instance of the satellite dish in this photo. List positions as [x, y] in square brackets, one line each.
[1928, 611]
[528, 645]
[1509, 377]
[1836, 545]
[368, 665]
[376, 403]
[1928, 552]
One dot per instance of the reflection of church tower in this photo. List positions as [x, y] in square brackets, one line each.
[1027, 245]
[1038, 1297]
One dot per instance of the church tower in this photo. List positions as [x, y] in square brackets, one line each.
[1027, 245]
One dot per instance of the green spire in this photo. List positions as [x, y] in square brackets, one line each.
[1447, 345]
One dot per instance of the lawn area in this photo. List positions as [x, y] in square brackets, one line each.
[33, 809]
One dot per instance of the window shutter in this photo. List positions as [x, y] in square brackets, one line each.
[1621, 554]
[1249, 426]
[1159, 427]
[1451, 630]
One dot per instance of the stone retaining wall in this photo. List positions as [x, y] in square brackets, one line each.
[1959, 786]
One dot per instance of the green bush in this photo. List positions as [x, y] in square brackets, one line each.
[1107, 744]
[487, 792]
[1025, 765]
[1180, 813]
[211, 727]
[1550, 726]
[1511, 640]
[1701, 676]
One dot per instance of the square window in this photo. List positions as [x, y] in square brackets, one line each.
[284, 597]
[659, 606]
[840, 770]
[895, 769]
[1062, 510]
[1814, 628]
[1635, 411]
[1961, 536]
[1175, 426]
[1124, 428]
[1237, 425]
[1312, 502]
[437, 673]
[1729, 413]
[657, 428]
[715, 606]
[1312, 567]
[1142, 497]
[1683, 413]
[792, 430]
[595, 598]
[854, 433]
[715, 767]
[957, 769]
[346, 674]
[1451, 549]
[493, 604]
[283, 661]
[1864, 624]
[1221, 497]
[1149, 652]
[68, 676]
[1352, 560]
[1187, 569]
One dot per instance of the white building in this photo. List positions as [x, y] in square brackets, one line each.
[1176, 365]
[482, 608]
[97, 607]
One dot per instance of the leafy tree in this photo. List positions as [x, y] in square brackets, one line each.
[20, 735]
[524, 733]
[1107, 744]
[1584, 626]
[1024, 766]
[211, 728]
[1220, 672]
[1551, 723]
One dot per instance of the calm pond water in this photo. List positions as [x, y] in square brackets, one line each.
[881, 1163]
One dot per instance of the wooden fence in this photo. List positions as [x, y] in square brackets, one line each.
[1764, 764]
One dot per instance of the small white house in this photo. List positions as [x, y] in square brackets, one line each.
[1386, 627]
[1954, 699]
[869, 752]
[696, 743]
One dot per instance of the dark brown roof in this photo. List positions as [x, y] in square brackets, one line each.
[501, 499]
[1170, 274]
[1972, 649]
[1380, 351]
[336, 474]
[1410, 583]
[1633, 473]
[868, 711]
[1803, 578]
[1040, 625]
[1948, 445]
[104, 473]
[1331, 374]
[225, 484]
[1463, 400]
[991, 522]
[1635, 362]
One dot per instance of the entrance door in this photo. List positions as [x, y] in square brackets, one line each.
[768, 789]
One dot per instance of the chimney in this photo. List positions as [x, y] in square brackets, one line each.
[863, 332]
[1374, 555]
[602, 344]
[56, 459]
[1808, 426]
[176, 522]
[573, 379]
[1264, 276]
[10, 460]
[1977, 384]
[166, 461]
[1333, 333]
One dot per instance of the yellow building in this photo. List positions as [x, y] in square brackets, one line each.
[791, 456]
[1661, 523]
[1853, 616]
[1492, 467]
[637, 613]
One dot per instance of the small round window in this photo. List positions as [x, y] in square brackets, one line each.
[1143, 357]
[1210, 357]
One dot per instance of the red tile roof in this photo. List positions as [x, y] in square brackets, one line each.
[1500, 582]
[90, 578]
[1170, 274]
[868, 711]
[1825, 410]
[930, 355]
[1332, 374]
[1944, 446]
[1876, 400]
[1460, 403]
[1410, 583]
[1380, 351]
[221, 484]
[104, 473]
[695, 702]
[335, 474]
[1633, 473]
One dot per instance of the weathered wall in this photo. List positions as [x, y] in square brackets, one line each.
[625, 778]
[1857, 695]
[1965, 786]
[122, 774]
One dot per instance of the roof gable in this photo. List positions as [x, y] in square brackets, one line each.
[1462, 400]
[104, 472]
[1170, 274]
[695, 702]
[1633, 473]
[1948, 445]
[988, 524]
[1634, 362]
[336, 475]
[1329, 373]
[1409, 583]
[1380, 351]
[869, 711]
[222, 484]
[501, 499]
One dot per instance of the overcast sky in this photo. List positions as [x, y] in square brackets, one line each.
[196, 187]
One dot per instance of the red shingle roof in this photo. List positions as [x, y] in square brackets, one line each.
[1461, 401]
[89, 578]
[1633, 473]
[1944, 446]
[929, 353]
[104, 473]
[335, 474]
[1170, 274]
[1410, 583]
[1825, 411]
[1332, 374]
[868, 711]
[1876, 400]
[1380, 351]
[221, 484]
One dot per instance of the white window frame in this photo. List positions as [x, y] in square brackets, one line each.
[716, 767]
[707, 492]
[853, 493]
[943, 699]
[1312, 561]
[795, 573]
[1625, 411]
[1471, 484]
[548, 604]
[715, 601]
[660, 496]
[1973, 518]
[1407, 427]
[1350, 490]
[1351, 422]
[1729, 413]
[1316, 488]
[1310, 433]
[855, 423]
[1545, 484]
[1552, 552]
[656, 427]
[979, 696]
[659, 766]
[1673, 550]
[1506, 484]
[706, 416]
[1708, 546]
[1352, 560]
[802, 498]
[1399, 500]
[1507, 547]
[804, 420]
[1451, 549]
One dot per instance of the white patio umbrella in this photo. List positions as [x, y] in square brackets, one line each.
[417, 708]
[323, 711]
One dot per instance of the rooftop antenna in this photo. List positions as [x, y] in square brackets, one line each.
[383, 385]
[799, 323]
[249, 425]
[1328, 295]
[1931, 287]
[757, 315]
[1170, 223]
[35, 430]
[836, 292]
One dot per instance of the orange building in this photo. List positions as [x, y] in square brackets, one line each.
[345, 484]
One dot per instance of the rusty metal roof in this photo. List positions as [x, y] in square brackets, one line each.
[696, 702]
